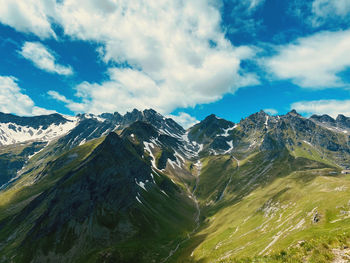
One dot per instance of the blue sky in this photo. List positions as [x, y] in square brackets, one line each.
[185, 59]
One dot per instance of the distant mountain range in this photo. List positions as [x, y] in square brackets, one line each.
[140, 188]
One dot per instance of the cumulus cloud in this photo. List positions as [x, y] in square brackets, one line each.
[317, 13]
[241, 17]
[73, 106]
[323, 10]
[55, 95]
[177, 51]
[41, 111]
[330, 107]
[271, 111]
[12, 99]
[314, 61]
[184, 119]
[177, 56]
[43, 58]
[29, 16]
[253, 4]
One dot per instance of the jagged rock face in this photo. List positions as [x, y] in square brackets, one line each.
[12, 160]
[35, 122]
[14, 129]
[261, 131]
[133, 116]
[207, 129]
[113, 117]
[143, 131]
[125, 182]
[213, 134]
[166, 154]
[83, 128]
[161, 123]
[323, 118]
[342, 121]
[317, 135]
[300, 124]
[271, 144]
[94, 128]
[220, 143]
[86, 130]
[100, 201]
[257, 120]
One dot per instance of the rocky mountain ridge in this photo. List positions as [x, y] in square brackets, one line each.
[140, 188]
[213, 135]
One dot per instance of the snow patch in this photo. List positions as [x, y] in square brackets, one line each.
[266, 121]
[164, 193]
[141, 184]
[153, 178]
[138, 200]
[11, 133]
[92, 116]
[200, 148]
[172, 163]
[185, 137]
[226, 131]
[307, 143]
[31, 156]
[148, 146]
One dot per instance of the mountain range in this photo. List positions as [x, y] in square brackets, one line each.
[140, 188]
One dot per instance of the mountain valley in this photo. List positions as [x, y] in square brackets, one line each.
[140, 188]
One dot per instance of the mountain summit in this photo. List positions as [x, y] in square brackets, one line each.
[140, 188]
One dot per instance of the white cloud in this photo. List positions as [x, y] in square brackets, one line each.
[242, 17]
[179, 57]
[41, 111]
[184, 119]
[177, 50]
[29, 16]
[254, 4]
[55, 95]
[73, 106]
[317, 13]
[314, 61]
[271, 111]
[128, 88]
[12, 100]
[323, 10]
[43, 58]
[330, 107]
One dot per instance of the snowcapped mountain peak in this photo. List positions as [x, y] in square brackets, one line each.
[14, 129]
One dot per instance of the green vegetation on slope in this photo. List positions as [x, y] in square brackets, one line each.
[295, 208]
[14, 198]
[98, 202]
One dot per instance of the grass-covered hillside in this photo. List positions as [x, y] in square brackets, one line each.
[266, 189]
[98, 202]
[270, 210]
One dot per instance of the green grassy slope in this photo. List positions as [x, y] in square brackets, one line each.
[279, 197]
[35, 180]
[293, 208]
[88, 205]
